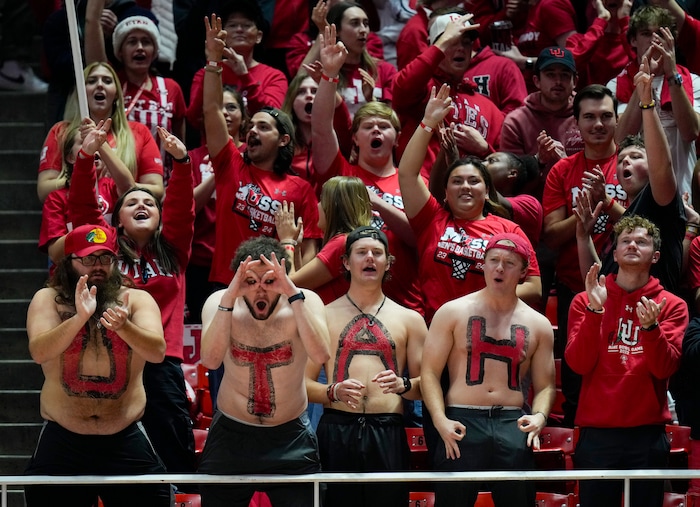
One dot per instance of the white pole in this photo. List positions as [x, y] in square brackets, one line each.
[77, 59]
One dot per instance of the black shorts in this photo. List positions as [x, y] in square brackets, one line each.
[236, 448]
[492, 441]
[129, 452]
[363, 443]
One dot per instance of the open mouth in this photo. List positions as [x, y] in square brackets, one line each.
[140, 57]
[376, 143]
[308, 107]
[100, 96]
[370, 269]
[261, 305]
[626, 174]
[253, 142]
[141, 215]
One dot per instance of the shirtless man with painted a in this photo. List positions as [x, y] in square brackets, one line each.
[376, 346]
[489, 340]
[263, 328]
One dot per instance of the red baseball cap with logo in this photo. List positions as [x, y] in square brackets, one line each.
[88, 239]
[512, 242]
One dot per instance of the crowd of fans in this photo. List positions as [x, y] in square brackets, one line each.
[438, 122]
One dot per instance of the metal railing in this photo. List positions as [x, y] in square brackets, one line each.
[317, 479]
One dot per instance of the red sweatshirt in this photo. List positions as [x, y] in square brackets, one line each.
[625, 370]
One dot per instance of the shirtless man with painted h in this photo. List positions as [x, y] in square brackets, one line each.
[263, 328]
[92, 337]
[489, 340]
[373, 342]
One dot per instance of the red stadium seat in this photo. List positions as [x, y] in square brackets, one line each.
[187, 500]
[484, 499]
[557, 447]
[421, 499]
[418, 448]
[679, 438]
[545, 499]
[675, 500]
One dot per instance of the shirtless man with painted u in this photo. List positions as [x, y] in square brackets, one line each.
[373, 342]
[263, 328]
[488, 341]
[92, 337]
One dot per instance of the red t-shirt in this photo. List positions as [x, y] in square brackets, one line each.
[331, 255]
[561, 189]
[262, 86]
[403, 286]
[148, 159]
[54, 213]
[352, 91]
[451, 253]
[246, 198]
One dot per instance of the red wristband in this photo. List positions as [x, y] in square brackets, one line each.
[426, 128]
[330, 79]
[83, 154]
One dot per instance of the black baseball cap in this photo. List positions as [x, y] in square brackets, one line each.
[555, 54]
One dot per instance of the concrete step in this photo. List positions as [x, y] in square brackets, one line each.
[29, 135]
[13, 313]
[23, 253]
[21, 283]
[20, 195]
[13, 343]
[18, 407]
[20, 375]
[23, 106]
[20, 162]
[21, 224]
[20, 438]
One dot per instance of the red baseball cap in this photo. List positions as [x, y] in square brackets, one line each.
[512, 242]
[87, 239]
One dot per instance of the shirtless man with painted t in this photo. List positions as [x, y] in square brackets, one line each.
[92, 337]
[263, 328]
[374, 341]
[488, 341]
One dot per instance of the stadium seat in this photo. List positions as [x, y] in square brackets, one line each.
[187, 500]
[418, 448]
[679, 438]
[421, 499]
[675, 500]
[545, 499]
[484, 499]
[557, 447]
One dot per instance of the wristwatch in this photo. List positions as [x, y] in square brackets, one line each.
[675, 79]
[295, 297]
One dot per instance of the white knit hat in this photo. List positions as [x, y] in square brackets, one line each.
[129, 24]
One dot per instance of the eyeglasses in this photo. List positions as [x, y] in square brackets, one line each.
[91, 260]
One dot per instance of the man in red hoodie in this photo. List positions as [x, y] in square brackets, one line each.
[625, 337]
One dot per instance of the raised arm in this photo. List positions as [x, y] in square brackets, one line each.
[661, 176]
[94, 37]
[214, 120]
[687, 120]
[586, 215]
[413, 189]
[332, 56]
